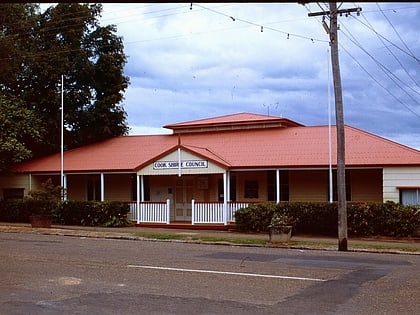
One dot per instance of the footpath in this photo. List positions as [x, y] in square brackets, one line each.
[372, 244]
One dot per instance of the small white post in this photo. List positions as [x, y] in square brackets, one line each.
[142, 198]
[102, 187]
[168, 213]
[64, 187]
[277, 186]
[225, 208]
[179, 162]
[192, 211]
[30, 181]
[138, 199]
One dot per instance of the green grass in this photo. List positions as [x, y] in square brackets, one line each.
[316, 244]
[390, 247]
[207, 239]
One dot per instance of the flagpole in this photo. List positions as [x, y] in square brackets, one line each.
[62, 131]
[329, 139]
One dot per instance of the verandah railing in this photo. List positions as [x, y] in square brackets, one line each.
[150, 212]
[213, 212]
[202, 212]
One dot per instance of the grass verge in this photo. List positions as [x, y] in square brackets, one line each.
[302, 244]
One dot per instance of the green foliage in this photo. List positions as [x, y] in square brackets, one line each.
[73, 212]
[88, 213]
[313, 217]
[13, 210]
[364, 219]
[48, 192]
[17, 123]
[388, 219]
[17, 20]
[44, 201]
[95, 213]
[255, 217]
[36, 50]
[279, 219]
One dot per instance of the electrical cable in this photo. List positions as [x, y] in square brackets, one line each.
[370, 75]
[388, 72]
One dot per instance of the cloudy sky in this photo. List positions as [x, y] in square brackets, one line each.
[188, 62]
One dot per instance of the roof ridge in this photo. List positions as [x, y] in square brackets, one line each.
[207, 149]
[372, 135]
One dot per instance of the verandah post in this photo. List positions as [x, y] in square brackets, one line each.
[168, 207]
[141, 197]
[138, 199]
[277, 186]
[102, 187]
[225, 208]
[192, 211]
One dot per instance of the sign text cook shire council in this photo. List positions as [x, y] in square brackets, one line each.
[164, 165]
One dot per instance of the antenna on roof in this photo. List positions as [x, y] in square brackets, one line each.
[268, 107]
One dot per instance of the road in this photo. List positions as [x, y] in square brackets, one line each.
[49, 274]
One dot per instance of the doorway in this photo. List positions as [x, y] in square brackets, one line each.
[184, 193]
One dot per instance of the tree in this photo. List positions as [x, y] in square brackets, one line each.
[17, 20]
[66, 40]
[16, 123]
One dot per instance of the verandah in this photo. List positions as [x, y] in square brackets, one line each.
[202, 212]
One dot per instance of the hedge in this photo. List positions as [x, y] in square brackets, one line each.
[95, 213]
[88, 213]
[363, 219]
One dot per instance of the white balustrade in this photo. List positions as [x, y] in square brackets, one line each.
[202, 212]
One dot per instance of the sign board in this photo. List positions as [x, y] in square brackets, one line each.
[165, 165]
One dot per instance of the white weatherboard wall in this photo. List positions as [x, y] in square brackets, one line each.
[394, 177]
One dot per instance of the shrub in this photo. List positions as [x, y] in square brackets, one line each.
[363, 219]
[95, 213]
[45, 201]
[70, 212]
[255, 217]
[74, 211]
[14, 210]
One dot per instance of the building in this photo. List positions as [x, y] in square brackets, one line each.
[208, 168]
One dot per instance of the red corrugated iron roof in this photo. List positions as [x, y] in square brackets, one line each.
[234, 120]
[293, 147]
[123, 153]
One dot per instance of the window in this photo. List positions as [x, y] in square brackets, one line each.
[13, 193]
[94, 189]
[251, 189]
[272, 186]
[348, 186]
[410, 196]
[232, 189]
[146, 189]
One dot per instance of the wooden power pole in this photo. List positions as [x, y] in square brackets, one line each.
[339, 117]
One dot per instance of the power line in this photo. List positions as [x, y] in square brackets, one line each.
[382, 86]
[66, 24]
[383, 68]
[396, 32]
[390, 51]
[387, 72]
[261, 26]
[391, 43]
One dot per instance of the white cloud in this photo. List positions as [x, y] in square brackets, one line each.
[190, 64]
[145, 130]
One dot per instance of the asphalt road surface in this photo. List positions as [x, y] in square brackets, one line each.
[48, 274]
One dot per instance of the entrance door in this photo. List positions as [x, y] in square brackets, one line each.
[184, 192]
